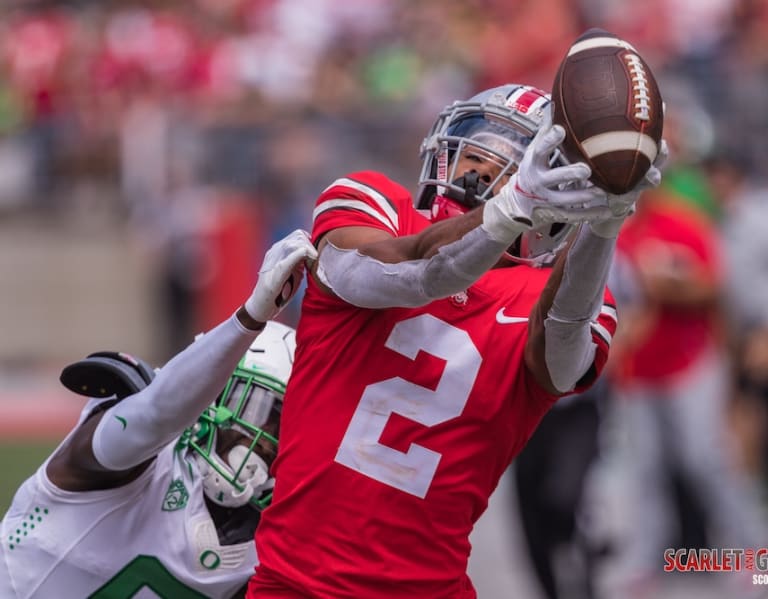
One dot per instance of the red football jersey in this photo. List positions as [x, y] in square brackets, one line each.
[397, 424]
[668, 231]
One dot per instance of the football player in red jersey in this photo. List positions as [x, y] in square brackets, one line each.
[423, 362]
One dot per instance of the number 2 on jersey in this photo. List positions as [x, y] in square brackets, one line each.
[413, 470]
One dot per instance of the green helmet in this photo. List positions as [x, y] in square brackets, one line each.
[235, 474]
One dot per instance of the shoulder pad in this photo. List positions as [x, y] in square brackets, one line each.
[107, 373]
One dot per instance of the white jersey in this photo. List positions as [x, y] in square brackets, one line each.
[151, 538]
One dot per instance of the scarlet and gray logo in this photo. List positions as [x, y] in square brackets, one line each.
[707, 559]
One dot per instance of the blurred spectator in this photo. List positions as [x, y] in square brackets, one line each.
[37, 49]
[672, 381]
[530, 46]
[744, 224]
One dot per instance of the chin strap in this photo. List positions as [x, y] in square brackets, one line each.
[459, 198]
[466, 189]
[253, 478]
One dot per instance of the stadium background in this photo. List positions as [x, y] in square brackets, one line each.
[150, 151]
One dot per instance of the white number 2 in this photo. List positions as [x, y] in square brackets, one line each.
[413, 470]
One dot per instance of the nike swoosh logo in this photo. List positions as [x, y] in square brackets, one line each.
[122, 421]
[502, 318]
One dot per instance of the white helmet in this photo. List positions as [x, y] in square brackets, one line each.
[250, 404]
[499, 123]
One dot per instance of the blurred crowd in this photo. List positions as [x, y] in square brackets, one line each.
[148, 96]
[209, 126]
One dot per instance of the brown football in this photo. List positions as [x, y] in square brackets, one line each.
[606, 98]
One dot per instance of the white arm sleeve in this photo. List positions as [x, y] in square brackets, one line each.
[568, 346]
[366, 282]
[136, 428]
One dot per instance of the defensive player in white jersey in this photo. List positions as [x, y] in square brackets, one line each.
[431, 343]
[158, 489]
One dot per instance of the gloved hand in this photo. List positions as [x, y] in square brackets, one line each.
[539, 194]
[621, 206]
[280, 275]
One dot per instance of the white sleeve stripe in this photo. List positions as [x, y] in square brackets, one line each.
[381, 201]
[610, 312]
[358, 205]
[601, 332]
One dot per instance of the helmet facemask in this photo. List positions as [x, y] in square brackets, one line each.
[234, 441]
[240, 443]
[495, 127]
[496, 144]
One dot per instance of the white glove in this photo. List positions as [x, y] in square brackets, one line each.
[280, 275]
[621, 206]
[539, 194]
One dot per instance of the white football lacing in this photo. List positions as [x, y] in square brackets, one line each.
[639, 87]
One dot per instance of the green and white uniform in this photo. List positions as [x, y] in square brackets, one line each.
[150, 538]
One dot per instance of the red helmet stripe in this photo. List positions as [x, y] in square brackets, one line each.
[526, 99]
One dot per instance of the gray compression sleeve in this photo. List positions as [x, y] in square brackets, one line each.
[369, 283]
[135, 429]
[569, 348]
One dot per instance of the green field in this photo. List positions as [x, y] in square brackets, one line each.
[17, 461]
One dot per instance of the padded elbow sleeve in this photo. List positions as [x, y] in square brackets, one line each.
[569, 352]
[569, 348]
[585, 274]
[366, 282]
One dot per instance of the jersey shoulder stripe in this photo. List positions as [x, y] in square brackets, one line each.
[367, 192]
[605, 325]
[358, 205]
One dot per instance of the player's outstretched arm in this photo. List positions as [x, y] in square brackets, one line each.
[560, 349]
[116, 445]
[368, 268]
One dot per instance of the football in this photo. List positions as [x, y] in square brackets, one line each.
[607, 100]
